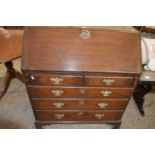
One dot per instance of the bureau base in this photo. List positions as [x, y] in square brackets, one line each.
[115, 124]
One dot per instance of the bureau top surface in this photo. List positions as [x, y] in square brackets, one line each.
[86, 49]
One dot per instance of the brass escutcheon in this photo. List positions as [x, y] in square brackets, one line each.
[85, 34]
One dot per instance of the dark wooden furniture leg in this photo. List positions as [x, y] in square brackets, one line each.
[10, 74]
[117, 125]
[38, 125]
[141, 90]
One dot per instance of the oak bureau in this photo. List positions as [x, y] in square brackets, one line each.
[80, 74]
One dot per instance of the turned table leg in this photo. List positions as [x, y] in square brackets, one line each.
[141, 90]
[6, 83]
[10, 74]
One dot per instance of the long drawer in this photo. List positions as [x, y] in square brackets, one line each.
[70, 104]
[78, 115]
[79, 92]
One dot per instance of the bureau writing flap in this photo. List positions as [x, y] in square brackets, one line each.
[78, 49]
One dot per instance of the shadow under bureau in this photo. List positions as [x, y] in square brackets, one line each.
[80, 75]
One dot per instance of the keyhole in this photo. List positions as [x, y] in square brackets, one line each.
[82, 91]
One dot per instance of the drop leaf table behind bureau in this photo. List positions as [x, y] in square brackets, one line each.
[80, 74]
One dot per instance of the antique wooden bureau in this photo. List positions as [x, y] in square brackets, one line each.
[80, 74]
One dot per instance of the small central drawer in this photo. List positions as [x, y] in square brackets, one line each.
[79, 92]
[55, 80]
[78, 115]
[72, 104]
[109, 81]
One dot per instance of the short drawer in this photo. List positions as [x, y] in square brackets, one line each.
[78, 115]
[79, 92]
[55, 80]
[109, 81]
[61, 104]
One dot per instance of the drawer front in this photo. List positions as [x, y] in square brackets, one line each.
[78, 116]
[108, 92]
[51, 92]
[47, 104]
[55, 80]
[109, 81]
[82, 92]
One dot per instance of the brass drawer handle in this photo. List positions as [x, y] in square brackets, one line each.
[58, 104]
[56, 80]
[106, 92]
[99, 116]
[57, 93]
[59, 116]
[108, 82]
[103, 105]
[80, 113]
